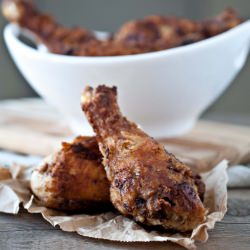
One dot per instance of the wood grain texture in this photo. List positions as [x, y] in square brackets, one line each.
[210, 142]
[29, 231]
[32, 127]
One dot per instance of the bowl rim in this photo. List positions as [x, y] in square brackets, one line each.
[11, 31]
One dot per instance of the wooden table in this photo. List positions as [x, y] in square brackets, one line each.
[29, 231]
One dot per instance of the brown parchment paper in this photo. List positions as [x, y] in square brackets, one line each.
[14, 190]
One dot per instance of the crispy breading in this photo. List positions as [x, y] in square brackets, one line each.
[147, 183]
[73, 179]
[57, 38]
[152, 33]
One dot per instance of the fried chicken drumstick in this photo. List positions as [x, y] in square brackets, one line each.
[73, 179]
[57, 38]
[147, 183]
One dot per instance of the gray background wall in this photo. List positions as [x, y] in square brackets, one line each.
[109, 15]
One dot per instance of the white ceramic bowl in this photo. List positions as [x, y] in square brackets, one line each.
[165, 92]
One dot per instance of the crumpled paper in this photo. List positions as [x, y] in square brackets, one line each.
[113, 226]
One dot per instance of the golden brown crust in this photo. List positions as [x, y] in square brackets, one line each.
[147, 182]
[226, 20]
[149, 34]
[156, 33]
[4, 173]
[58, 39]
[74, 179]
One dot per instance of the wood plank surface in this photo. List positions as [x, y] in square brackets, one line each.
[30, 126]
[29, 231]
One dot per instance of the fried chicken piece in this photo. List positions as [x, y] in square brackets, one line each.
[139, 34]
[147, 183]
[153, 33]
[227, 19]
[73, 179]
[58, 39]
[158, 32]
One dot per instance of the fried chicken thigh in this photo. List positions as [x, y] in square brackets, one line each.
[147, 183]
[73, 179]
